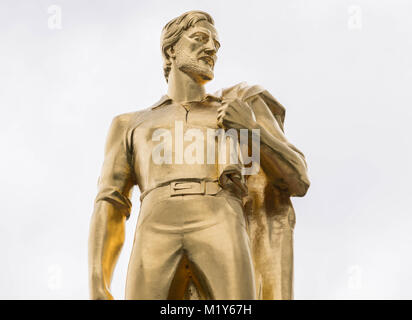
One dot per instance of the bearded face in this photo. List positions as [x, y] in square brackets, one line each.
[195, 52]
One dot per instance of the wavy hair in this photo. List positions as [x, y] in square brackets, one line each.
[173, 30]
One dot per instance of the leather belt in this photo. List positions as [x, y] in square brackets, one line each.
[185, 187]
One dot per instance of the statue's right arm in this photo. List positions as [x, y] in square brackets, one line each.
[112, 207]
[106, 239]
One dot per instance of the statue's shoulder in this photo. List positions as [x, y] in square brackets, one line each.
[248, 93]
[126, 121]
[132, 120]
[241, 90]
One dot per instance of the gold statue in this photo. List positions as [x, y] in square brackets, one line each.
[206, 229]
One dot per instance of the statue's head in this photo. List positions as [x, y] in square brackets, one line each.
[189, 43]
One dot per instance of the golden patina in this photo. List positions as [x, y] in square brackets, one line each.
[205, 230]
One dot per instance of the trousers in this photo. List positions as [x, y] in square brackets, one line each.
[198, 239]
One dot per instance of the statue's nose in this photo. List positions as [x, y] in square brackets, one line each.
[211, 51]
[210, 48]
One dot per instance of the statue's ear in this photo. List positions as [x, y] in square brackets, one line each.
[171, 52]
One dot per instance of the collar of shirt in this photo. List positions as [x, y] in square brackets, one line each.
[165, 100]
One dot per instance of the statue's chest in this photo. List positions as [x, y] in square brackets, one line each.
[193, 115]
[176, 121]
[202, 116]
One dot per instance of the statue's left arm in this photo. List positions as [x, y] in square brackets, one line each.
[112, 208]
[282, 162]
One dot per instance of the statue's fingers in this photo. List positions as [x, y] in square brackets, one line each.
[220, 123]
[222, 108]
[221, 114]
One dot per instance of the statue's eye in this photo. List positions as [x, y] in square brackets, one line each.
[200, 38]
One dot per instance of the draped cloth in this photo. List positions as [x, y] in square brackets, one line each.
[268, 208]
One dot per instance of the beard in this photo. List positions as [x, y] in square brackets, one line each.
[197, 69]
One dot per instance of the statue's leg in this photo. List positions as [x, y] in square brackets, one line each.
[218, 247]
[157, 250]
[281, 242]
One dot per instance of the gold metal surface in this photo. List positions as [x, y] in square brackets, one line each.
[205, 231]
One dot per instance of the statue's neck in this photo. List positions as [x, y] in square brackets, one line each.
[183, 88]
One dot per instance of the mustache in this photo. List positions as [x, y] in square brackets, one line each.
[210, 60]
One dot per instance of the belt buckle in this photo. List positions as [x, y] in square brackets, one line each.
[180, 188]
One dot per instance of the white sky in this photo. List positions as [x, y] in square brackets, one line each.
[347, 91]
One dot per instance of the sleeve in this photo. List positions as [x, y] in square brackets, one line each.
[116, 180]
[270, 114]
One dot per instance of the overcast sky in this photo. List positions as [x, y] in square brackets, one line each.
[341, 68]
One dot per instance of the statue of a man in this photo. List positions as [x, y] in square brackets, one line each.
[206, 229]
